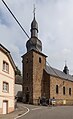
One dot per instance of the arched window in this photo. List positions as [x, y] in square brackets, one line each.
[39, 59]
[69, 91]
[57, 89]
[63, 90]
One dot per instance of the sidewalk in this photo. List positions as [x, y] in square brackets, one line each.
[19, 111]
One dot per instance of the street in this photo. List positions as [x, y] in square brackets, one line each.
[58, 112]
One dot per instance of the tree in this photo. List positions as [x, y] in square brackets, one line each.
[17, 72]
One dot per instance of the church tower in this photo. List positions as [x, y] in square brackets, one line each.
[33, 62]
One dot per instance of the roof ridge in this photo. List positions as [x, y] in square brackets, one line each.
[4, 48]
[58, 73]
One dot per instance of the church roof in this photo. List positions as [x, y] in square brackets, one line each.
[18, 80]
[58, 73]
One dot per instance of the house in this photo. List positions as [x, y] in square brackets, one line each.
[40, 80]
[18, 86]
[7, 81]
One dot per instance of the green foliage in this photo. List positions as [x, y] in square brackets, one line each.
[18, 72]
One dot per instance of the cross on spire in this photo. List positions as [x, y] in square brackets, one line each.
[65, 62]
[34, 10]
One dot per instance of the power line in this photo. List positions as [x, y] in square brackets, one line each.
[15, 18]
[24, 30]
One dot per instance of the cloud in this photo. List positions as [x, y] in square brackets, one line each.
[3, 19]
[55, 19]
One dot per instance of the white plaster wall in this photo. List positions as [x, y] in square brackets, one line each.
[9, 78]
[5, 58]
[0, 102]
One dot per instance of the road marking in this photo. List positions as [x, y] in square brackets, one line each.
[23, 114]
[36, 108]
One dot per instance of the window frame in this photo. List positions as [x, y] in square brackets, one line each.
[40, 60]
[5, 66]
[5, 87]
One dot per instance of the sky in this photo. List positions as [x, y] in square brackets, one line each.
[55, 21]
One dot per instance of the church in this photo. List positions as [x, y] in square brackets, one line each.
[39, 79]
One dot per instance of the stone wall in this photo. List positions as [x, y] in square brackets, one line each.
[46, 85]
[28, 75]
[61, 98]
[64, 102]
[38, 67]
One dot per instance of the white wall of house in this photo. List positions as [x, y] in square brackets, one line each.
[8, 77]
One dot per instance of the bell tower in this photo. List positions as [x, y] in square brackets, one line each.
[33, 62]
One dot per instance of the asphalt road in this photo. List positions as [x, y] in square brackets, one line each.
[58, 112]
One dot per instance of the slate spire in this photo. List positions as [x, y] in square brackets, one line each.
[34, 42]
[34, 26]
[66, 70]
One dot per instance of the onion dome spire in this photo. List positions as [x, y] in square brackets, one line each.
[34, 26]
[34, 43]
[66, 70]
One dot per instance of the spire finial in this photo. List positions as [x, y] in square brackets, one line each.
[34, 10]
[66, 70]
[65, 62]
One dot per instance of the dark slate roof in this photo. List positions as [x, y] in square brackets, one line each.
[58, 73]
[18, 79]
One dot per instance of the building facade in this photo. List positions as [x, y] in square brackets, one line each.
[18, 84]
[40, 80]
[7, 81]
[58, 85]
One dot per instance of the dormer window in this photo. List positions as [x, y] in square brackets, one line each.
[5, 66]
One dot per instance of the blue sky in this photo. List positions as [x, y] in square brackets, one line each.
[55, 20]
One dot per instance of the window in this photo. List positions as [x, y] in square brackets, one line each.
[69, 91]
[27, 88]
[39, 60]
[5, 66]
[63, 90]
[57, 90]
[5, 87]
[27, 75]
[27, 60]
